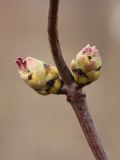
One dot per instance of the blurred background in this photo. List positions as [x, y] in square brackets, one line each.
[46, 128]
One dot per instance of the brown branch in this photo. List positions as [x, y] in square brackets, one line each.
[79, 104]
[54, 43]
[74, 95]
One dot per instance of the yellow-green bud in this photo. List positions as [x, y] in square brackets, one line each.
[42, 77]
[86, 66]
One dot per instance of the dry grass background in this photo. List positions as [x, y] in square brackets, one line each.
[46, 128]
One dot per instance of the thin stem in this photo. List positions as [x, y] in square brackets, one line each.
[79, 104]
[74, 96]
[54, 43]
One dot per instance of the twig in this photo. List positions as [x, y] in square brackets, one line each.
[54, 43]
[74, 95]
[79, 104]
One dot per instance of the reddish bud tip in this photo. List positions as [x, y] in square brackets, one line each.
[22, 65]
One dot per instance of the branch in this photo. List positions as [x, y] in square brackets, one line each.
[74, 95]
[79, 104]
[54, 43]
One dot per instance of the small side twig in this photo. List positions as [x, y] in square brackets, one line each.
[74, 95]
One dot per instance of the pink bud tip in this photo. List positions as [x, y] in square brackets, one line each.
[89, 50]
[22, 65]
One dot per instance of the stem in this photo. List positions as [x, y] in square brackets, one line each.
[54, 43]
[79, 104]
[74, 96]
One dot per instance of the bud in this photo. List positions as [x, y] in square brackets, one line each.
[86, 66]
[42, 77]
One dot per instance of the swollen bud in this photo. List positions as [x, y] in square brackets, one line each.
[42, 77]
[86, 66]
